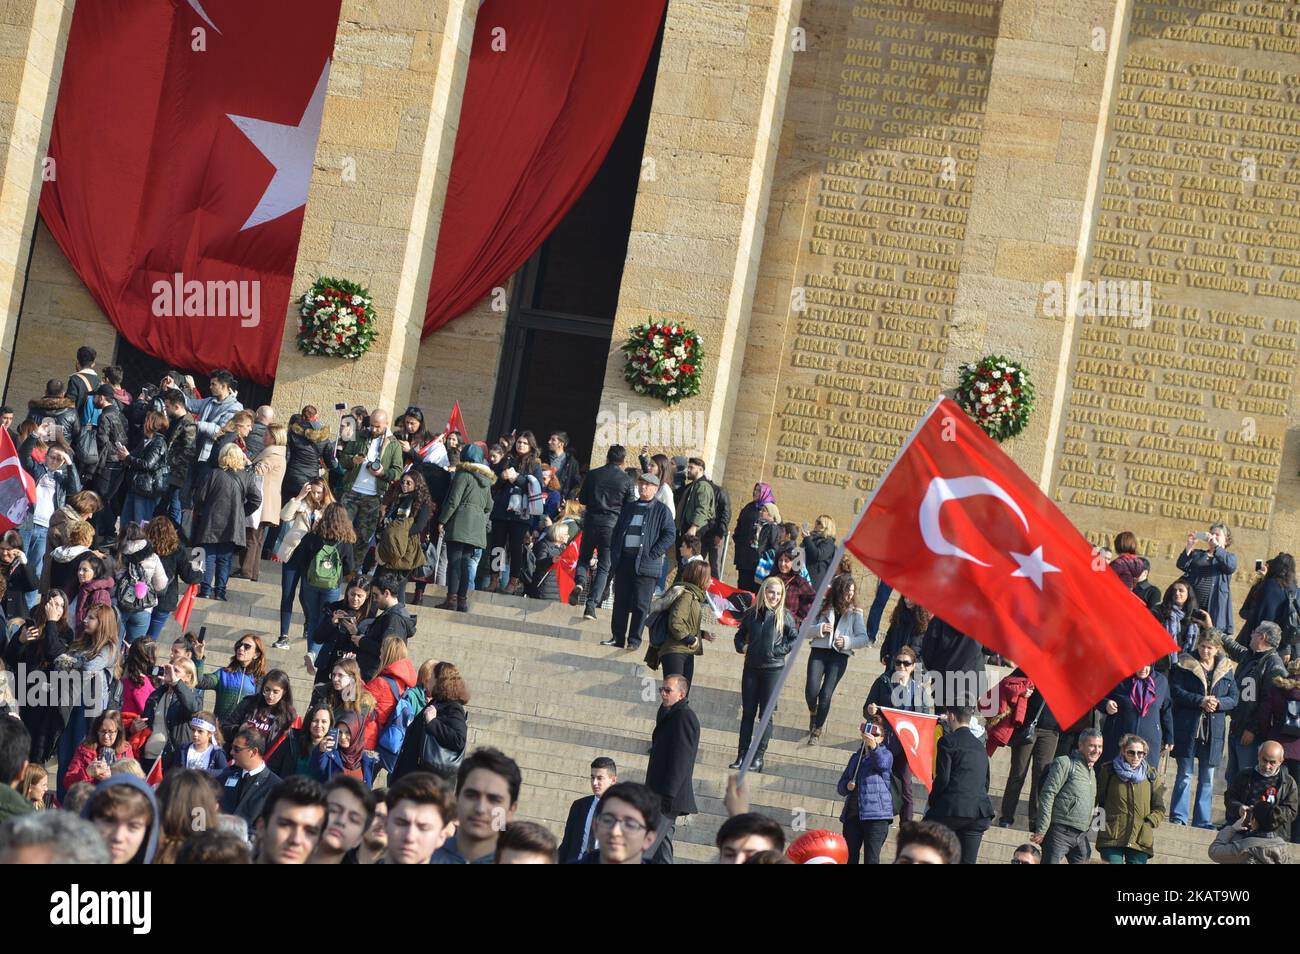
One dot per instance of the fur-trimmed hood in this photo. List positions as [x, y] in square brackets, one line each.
[298, 425]
[51, 405]
[480, 470]
[1287, 683]
[1223, 666]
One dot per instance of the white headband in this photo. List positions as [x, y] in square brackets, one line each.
[202, 724]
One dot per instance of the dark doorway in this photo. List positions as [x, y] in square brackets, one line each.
[561, 316]
[139, 369]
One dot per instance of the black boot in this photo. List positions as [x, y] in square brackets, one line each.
[203, 591]
[462, 604]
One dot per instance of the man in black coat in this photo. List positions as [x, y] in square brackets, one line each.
[580, 826]
[673, 749]
[955, 663]
[110, 437]
[960, 797]
[247, 783]
[603, 494]
[640, 542]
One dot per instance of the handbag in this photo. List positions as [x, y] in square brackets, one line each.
[1027, 734]
[435, 758]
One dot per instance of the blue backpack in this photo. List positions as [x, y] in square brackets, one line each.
[393, 733]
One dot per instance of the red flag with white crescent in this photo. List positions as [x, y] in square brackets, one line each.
[915, 732]
[17, 488]
[728, 603]
[457, 423]
[565, 567]
[964, 532]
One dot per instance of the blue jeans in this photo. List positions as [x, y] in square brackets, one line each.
[1241, 756]
[883, 592]
[216, 566]
[157, 620]
[473, 566]
[173, 498]
[138, 509]
[136, 625]
[288, 587]
[1183, 790]
[35, 550]
[313, 605]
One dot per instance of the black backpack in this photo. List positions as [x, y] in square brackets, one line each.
[1290, 622]
[87, 449]
[721, 523]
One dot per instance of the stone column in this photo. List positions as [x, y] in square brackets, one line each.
[33, 38]
[701, 211]
[1034, 197]
[376, 197]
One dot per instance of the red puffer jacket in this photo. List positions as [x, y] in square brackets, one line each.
[1013, 699]
[403, 673]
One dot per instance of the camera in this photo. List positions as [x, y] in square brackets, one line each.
[156, 672]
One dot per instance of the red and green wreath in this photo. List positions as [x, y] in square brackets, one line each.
[998, 396]
[336, 318]
[665, 361]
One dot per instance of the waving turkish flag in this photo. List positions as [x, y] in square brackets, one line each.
[960, 529]
[17, 488]
[183, 143]
[915, 733]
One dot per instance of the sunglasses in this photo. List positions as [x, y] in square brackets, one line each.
[902, 663]
[249, 646]
[1135, 752]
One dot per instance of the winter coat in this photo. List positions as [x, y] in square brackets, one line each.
[674, 747]
[818, 551]
[66, 481]
[390, 462]
[255, 442]
[567, 475]
[270, 466]
[1269, 602]
[1128, 567]
[300, 518]
[1211, 573]
[109, 432]
[1255, 671]
[757, 638]
[179, 571]
[852, 626]
[310, 447]
[1067, 795]
[1013, 699]
[1250, 787]
[1270, 716]
[912, 697]
[61, 569]
[232, 688]
[211, 415]
[449, 728]
[1156, 727]
[955, 659]
[871, 772]
[464, 516]
[747, 521]
[698, 506]
[605, 491]
[21, 579]
[179, 703]
[394, 621]
[141, 552]
[657, 536]
[799, 595]
[146, 468]
[222, 504]
[961, 778]
[86, 754]
[1133, 810]
[1188, 686]
[543, 582]
[402, 672]
[94, 592]
[62, 410]
[182, 449]
[1233, 847]
[502, 489]
[902, 631]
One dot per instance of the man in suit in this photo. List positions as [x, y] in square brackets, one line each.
[642, 537]
[247, 783]
[960, 797]
[673, 749]
[580, 828]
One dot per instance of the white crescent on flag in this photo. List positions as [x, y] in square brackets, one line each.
[905, 726]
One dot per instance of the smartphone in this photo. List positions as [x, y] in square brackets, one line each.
[203, 635]
[340, 407]
[1201, 535]
[873, 729]
[156, 672]
[1259, 566]
[348, 428]
[333, 736]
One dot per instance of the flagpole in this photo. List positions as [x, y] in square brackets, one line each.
[822, 587]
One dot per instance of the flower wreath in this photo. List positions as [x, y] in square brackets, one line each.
[997, 394]
[665, 361]
[336, 318]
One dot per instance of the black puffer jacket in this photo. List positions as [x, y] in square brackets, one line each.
[147, 467]
[544, 584]
[758, 640]
[818, 551]
[62, 410]
[308, 448]
[180, 703]
[182, 448]
[222, 504]
[450, 729]
[110, 430]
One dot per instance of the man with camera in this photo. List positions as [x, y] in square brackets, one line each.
[374, 460]
[1210, 573]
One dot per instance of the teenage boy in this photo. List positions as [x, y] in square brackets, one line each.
[290, 826]
[580, 828]
[626, 816]
[525, 843]
[421, 814]
[350, 810]
[487, 795]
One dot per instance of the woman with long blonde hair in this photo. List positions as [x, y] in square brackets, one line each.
[95, 654]
[222, 504]
[766, 634]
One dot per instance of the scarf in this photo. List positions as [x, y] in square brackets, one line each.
[764, 495]
[1127, 773]
[1142, 693]
[352, 754]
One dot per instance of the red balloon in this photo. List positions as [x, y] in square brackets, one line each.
[819, 847]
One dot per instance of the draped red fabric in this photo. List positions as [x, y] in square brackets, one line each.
[536, 123]
[182, 142]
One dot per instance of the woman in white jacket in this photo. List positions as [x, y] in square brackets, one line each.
[840, 629]
[136, 561]
[297, 517]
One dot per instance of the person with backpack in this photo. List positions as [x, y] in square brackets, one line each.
[324, 559]
[297, 518]
[1278, 720]
[396, 676]
[1257, 667]
[86, 379]
[407, 510]
[222, 504]
[753, 535]
[104, 425]
[1132, 799]
[675, 636]
[146, 472]
[1274, 598]
[436, 739]
[141, 579]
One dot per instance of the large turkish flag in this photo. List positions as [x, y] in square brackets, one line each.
[960, 529]
[183, 142]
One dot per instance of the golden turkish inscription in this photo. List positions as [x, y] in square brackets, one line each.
[889, 154]
[1178, 409]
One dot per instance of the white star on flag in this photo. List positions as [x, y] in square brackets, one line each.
[198, 8]
[291, 149]
[1033, 566]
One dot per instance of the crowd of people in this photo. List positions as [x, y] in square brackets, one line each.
[141, 497]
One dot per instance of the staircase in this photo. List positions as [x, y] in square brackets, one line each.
[547, 694]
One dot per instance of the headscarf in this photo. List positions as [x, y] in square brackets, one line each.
[472, 454]
[1142, 693]
[352, 754]
[765, 495]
